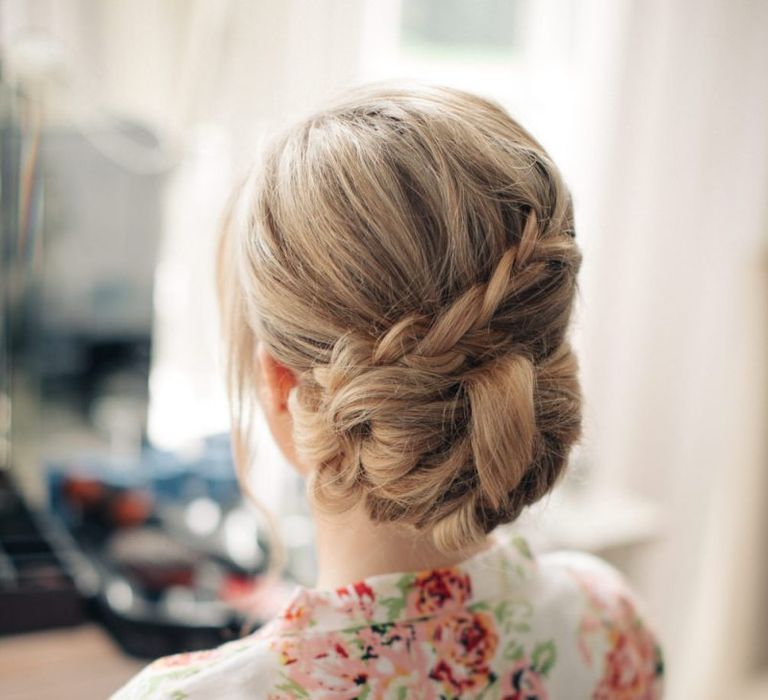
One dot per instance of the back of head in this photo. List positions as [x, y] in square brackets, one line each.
[409, 253]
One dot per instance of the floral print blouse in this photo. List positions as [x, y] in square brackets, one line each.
[503, 625]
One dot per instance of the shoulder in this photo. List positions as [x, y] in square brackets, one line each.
[232, 670]
[615, 640]
[586, 576]
[593, 585]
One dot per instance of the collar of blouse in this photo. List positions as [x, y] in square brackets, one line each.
[499, 572]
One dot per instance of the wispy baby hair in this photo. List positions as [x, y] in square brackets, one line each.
[409, 253]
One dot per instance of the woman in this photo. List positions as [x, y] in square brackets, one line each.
[397, 281]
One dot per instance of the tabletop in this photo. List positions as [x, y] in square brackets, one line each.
[78, 662]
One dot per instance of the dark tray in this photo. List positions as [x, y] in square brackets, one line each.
[41, 572]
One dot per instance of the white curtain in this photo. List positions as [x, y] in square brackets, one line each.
[675, 318]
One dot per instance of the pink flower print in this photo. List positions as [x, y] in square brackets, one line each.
[432, 590]
[465, 643]
[188, 658]
[358, 596]
[632, 666]
[324, 665]
[523, 683]
[397, 656]
[297, 614]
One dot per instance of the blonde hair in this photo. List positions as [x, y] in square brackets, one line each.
[409, 254]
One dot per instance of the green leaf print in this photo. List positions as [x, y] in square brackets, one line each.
[513, 615]
[544, 657]
[291, 686]
[396, 605]
[513, 651]
[163, 677]
[522, 546]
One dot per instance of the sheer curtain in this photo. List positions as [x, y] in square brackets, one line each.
[675, 319]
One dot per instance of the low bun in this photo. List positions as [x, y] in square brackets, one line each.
[502, 429]
[411, 257]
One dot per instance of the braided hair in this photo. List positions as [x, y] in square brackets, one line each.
[409, 253]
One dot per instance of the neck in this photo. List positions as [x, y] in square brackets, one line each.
[351, 547]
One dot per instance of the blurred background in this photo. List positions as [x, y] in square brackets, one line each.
[123, 126]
